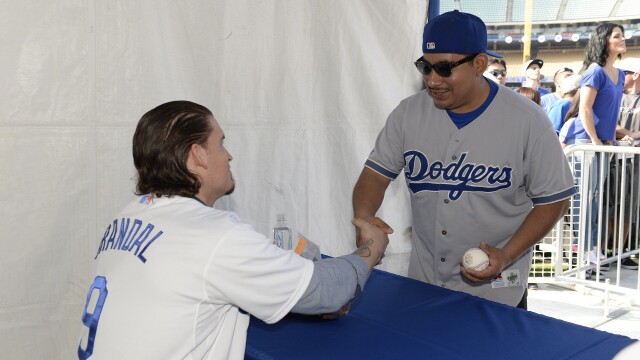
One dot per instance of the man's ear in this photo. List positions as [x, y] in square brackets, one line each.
[196, 158]
[481, 62]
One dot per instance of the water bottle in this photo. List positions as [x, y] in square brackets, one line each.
[282, 233]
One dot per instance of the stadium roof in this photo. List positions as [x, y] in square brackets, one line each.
[555, 23]
[512, 12]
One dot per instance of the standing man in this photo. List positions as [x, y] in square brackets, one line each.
[628, 129]
[559, 109]
[498, 68]
[546, 101]
[175, 278]
[483, 166]
[532, 76]
[629, 119]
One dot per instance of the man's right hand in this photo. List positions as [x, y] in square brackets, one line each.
[379, 223]
[373, 242]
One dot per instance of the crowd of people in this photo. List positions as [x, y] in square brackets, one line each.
[597, 105]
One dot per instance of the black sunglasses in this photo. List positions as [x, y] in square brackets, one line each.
[498, 72]
[442, 68]
[627, 72]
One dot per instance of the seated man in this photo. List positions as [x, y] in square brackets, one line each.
[175, 278]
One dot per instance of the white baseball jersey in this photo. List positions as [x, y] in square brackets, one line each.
[174, 279]
[473, 184]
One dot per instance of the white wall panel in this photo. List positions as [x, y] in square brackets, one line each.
[300, 87]
[48, 226]
[43, 63]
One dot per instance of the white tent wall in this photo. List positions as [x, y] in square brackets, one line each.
[301, 89]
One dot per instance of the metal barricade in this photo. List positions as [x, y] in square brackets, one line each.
[601, 228]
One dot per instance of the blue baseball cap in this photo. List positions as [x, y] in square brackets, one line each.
[455, 32]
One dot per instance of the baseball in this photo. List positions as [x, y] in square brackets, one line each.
[475, 259]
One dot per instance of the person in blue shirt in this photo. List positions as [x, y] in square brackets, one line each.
[602, 83]
[548, 100]
[600, 95]
[568, 132]
[557, 112]
[532, 76]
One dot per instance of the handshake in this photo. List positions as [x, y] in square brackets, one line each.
[371, 239]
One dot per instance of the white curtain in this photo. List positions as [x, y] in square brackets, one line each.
[301, 89]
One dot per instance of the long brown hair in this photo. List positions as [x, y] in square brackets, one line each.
[530, 93]
[598, 45]
[574, 109]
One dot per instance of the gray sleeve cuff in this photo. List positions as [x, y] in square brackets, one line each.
[360, 266]
[334, 283]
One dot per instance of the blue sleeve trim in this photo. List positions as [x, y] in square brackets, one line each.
[379, 169]
[556, 197]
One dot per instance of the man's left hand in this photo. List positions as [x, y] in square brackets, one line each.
[334, 315]
[497, 263]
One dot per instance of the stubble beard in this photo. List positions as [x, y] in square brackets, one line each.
[233, 185]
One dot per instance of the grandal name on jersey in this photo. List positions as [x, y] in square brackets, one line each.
[125, 235]
[457, 177]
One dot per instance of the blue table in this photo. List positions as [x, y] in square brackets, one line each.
[399, 318]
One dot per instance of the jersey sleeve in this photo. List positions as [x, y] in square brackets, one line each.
[548, 177]
[335, 282]
[247, 271]
[387, 157]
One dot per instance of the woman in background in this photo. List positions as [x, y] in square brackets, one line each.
[600, 96]
[531, 93]
[568, 131]
[602, 84]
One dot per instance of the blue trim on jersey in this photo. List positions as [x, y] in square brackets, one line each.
[379, 169]
[556, 197]
[464, 119]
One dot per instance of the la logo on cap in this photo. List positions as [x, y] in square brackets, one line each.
[431, 45]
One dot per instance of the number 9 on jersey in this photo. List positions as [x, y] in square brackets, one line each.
[90, 319]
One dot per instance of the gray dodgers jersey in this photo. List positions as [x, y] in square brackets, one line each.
[472, 184]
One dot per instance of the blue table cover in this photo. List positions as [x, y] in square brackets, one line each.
[400, 318]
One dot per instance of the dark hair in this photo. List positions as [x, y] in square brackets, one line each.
[498, 61]
[598, 45]
[530, 93]
[574, 109]
[161, 143]
[565, 69]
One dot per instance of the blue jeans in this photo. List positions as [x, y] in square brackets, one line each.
[599, 172]
[598, 169]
